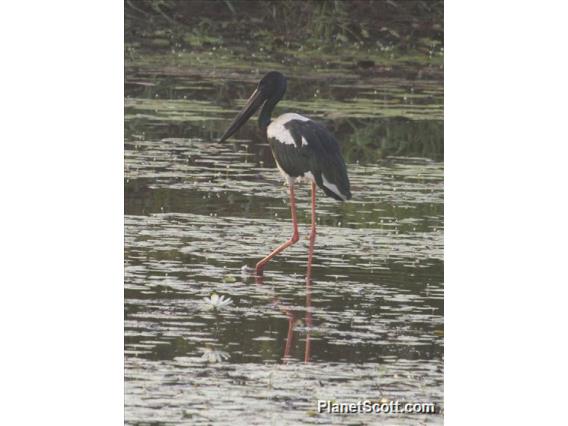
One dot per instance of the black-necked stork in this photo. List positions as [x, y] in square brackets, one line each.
[301, 147]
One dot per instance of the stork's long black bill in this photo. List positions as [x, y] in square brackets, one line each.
[252, 105]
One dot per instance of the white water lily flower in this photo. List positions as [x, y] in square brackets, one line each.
[213, 355]
[217, 302]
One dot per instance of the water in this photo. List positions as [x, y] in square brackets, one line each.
[369, 322]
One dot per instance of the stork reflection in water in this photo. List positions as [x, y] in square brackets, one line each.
[301, 147]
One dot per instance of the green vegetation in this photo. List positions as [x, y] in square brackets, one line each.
[369, 35]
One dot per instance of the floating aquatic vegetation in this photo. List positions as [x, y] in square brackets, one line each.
[229, 279]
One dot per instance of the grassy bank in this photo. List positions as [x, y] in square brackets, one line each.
[365, 36]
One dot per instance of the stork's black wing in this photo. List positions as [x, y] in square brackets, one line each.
[315, 150]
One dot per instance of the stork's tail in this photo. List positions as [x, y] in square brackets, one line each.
[335, 183]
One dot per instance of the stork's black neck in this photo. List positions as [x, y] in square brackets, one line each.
[265, 114]
[272, 87]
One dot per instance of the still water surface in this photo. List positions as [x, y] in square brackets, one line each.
[369, 323]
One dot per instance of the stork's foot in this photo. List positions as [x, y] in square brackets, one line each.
[259, 270]
[247, 272]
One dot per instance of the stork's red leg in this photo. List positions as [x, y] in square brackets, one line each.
[312, 234]
[307, 352]
[295, 236]
[313, 231]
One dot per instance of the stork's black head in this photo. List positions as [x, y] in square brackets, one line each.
[273, 84]
[271, 88]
